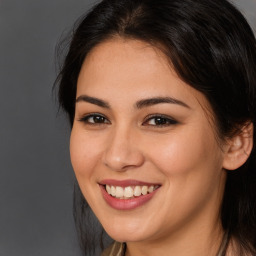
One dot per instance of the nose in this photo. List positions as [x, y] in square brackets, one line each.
[122, 151]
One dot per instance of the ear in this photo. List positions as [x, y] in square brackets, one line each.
[239, 148]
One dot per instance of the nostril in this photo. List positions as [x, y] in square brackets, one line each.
[122, 159]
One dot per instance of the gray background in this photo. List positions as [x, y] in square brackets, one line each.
[36, 178]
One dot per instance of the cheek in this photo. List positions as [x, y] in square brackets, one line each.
[191, 165]
[184, 152]
[84, 153]
[85, 158]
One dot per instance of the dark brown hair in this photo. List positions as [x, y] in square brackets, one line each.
[213, 49]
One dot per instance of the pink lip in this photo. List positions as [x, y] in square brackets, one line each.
[125, 204]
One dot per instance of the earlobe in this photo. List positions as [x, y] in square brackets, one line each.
[239, 148]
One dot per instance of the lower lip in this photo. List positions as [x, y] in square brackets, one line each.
[126, 204]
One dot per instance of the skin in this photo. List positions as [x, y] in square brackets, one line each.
[184, 157]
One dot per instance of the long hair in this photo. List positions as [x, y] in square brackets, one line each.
[212, 48]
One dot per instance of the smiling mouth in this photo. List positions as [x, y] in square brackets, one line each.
[129, 192]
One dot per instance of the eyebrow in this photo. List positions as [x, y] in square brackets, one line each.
[158, 100]
[139, 104]
[93, 100]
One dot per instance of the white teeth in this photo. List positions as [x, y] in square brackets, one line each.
[113, 191]
[144, 190]
[129, 192]
[108, 188]
[151, 189]
[119, 192]
[137, 191]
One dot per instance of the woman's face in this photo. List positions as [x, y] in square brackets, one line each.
[143, 146]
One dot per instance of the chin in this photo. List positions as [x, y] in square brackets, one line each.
[121, 237]
[122, 233]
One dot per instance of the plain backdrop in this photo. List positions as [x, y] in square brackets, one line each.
[36, 177]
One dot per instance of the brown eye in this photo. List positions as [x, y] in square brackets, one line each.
[94, 119]
[160, 121]
[97, 119]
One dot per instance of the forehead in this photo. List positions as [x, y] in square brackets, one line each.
[136, 70]
[126, 58]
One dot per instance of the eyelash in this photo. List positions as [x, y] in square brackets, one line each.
[85, 119]
[164, 120]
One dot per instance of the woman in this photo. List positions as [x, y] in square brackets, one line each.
[161, 99]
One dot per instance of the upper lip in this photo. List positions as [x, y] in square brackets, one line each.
[126, 183]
